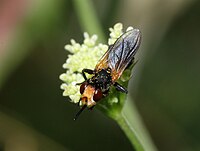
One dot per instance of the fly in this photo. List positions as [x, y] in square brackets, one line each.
[109, 69]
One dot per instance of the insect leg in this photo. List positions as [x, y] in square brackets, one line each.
[120, 88]
[89, 71]
[79, 112]
[80, 83]
[132, 63]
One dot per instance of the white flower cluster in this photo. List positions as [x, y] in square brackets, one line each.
[82, 56]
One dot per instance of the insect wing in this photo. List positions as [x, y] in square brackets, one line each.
[103, 62]
[122, 52]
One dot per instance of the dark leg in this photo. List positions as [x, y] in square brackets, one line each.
[79, 102]
[80, 83]
[89, 71]
[132, 63]
[120, 88]
[79, 112]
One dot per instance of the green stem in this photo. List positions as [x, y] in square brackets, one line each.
[131, 123]
[130, 132]
[88, 18]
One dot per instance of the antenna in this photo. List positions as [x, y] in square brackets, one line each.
[79, 112]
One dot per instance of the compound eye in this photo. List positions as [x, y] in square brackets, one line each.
[82, 87]
[97, 95]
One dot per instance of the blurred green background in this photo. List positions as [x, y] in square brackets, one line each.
[165, 85]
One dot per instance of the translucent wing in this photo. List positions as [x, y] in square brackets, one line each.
[121, 54]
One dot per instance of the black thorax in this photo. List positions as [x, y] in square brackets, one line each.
[101, 80]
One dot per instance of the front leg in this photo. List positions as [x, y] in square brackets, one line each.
[120, 88]
[89, 71]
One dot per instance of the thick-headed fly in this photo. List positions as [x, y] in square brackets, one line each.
[109, 69]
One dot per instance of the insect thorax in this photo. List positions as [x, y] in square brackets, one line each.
[102, 80]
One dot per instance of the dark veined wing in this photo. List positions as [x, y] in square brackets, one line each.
[121, 54]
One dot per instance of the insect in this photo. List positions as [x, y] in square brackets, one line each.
[109, 69]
